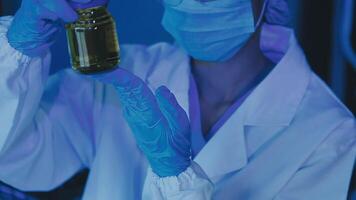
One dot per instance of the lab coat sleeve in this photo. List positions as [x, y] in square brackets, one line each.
[40, 139]
[326, 174]
[191, 184]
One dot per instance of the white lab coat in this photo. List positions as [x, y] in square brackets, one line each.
[290, 139]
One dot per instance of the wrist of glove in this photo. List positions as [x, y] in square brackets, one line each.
[159, 125]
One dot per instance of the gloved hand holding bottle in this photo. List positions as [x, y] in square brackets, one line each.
[158, 122]
[36, 23]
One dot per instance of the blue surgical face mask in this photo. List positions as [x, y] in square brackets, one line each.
[212, 30]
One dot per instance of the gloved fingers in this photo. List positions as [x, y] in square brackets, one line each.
[135, 96]
[173, 112]
[46, 14]
[143, 116]
[140, 108]
[60, 8]
[132, 90]
[140, 103]
[177, 120]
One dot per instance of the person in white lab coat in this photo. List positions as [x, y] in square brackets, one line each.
[262, 124]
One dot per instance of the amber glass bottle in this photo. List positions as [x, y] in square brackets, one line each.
[93, 42]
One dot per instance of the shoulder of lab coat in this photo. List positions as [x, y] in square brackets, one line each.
[327, 169]
[320, 129]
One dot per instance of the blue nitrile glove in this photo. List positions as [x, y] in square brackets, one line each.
[159, 124]
[36, 22]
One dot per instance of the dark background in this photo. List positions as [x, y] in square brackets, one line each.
[314, 22]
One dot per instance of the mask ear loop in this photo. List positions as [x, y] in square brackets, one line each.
[262, 14]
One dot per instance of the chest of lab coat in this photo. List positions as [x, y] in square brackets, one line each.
[274, 134]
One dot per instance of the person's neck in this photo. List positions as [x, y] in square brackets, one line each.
[223, 82]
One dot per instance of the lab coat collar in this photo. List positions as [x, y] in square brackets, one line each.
[275, 100]
[272, 103]
[226, 150]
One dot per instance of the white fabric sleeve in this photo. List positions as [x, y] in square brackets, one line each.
[327, 173]
[42, 124]
[191, 184]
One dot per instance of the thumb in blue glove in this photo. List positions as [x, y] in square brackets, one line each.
[36, 23]
[159, 124]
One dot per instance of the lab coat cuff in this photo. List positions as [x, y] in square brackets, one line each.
[192, 182]
[6, 49]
